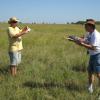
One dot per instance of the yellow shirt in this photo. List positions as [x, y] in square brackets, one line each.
[15, 44]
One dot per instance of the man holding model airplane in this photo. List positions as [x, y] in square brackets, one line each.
[15, 43]
[92, 43]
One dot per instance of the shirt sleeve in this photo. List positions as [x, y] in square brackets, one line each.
[11, 32]
[95, 41]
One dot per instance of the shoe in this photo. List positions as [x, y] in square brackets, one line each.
[90, 89]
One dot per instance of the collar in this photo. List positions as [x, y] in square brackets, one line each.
[92, 32]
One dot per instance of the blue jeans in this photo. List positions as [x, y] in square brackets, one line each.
[94, 64]
[15, 58]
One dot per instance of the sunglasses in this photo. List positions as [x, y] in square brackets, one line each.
[13, 22]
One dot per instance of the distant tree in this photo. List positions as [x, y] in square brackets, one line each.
[98, 22]
[54, 23]
[20, 23]
[80, 22]
[67, 23]
[34, 23]
[43, 22]
[83, 22]
[72, 23]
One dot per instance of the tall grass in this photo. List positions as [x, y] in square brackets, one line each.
[52, 68]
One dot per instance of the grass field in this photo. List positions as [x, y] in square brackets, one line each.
[52, 68]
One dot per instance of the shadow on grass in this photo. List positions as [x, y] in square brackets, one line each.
[48, 85]
[4, 70]
[79, 68]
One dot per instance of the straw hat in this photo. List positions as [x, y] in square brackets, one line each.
[90, 21]
[13, 19]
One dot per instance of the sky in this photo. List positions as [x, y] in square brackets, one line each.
[50, 11]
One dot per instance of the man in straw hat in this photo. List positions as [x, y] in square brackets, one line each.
[15, 43]
[92, 43]
[93, 46]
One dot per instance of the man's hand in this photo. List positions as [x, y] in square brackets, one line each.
[79, 42]
[25, 29]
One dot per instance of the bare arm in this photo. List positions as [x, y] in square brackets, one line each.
[88, 46]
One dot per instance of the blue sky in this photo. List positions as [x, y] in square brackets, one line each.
[59, 11]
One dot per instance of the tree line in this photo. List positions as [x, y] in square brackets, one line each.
[83, 22]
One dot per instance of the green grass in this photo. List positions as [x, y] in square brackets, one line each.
[52, 68]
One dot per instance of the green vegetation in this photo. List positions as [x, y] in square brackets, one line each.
[83, 22]
[52, 68]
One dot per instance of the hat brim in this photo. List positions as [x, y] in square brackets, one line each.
[90, 22]
[13, 21]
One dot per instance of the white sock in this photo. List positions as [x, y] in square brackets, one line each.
[91, 86]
